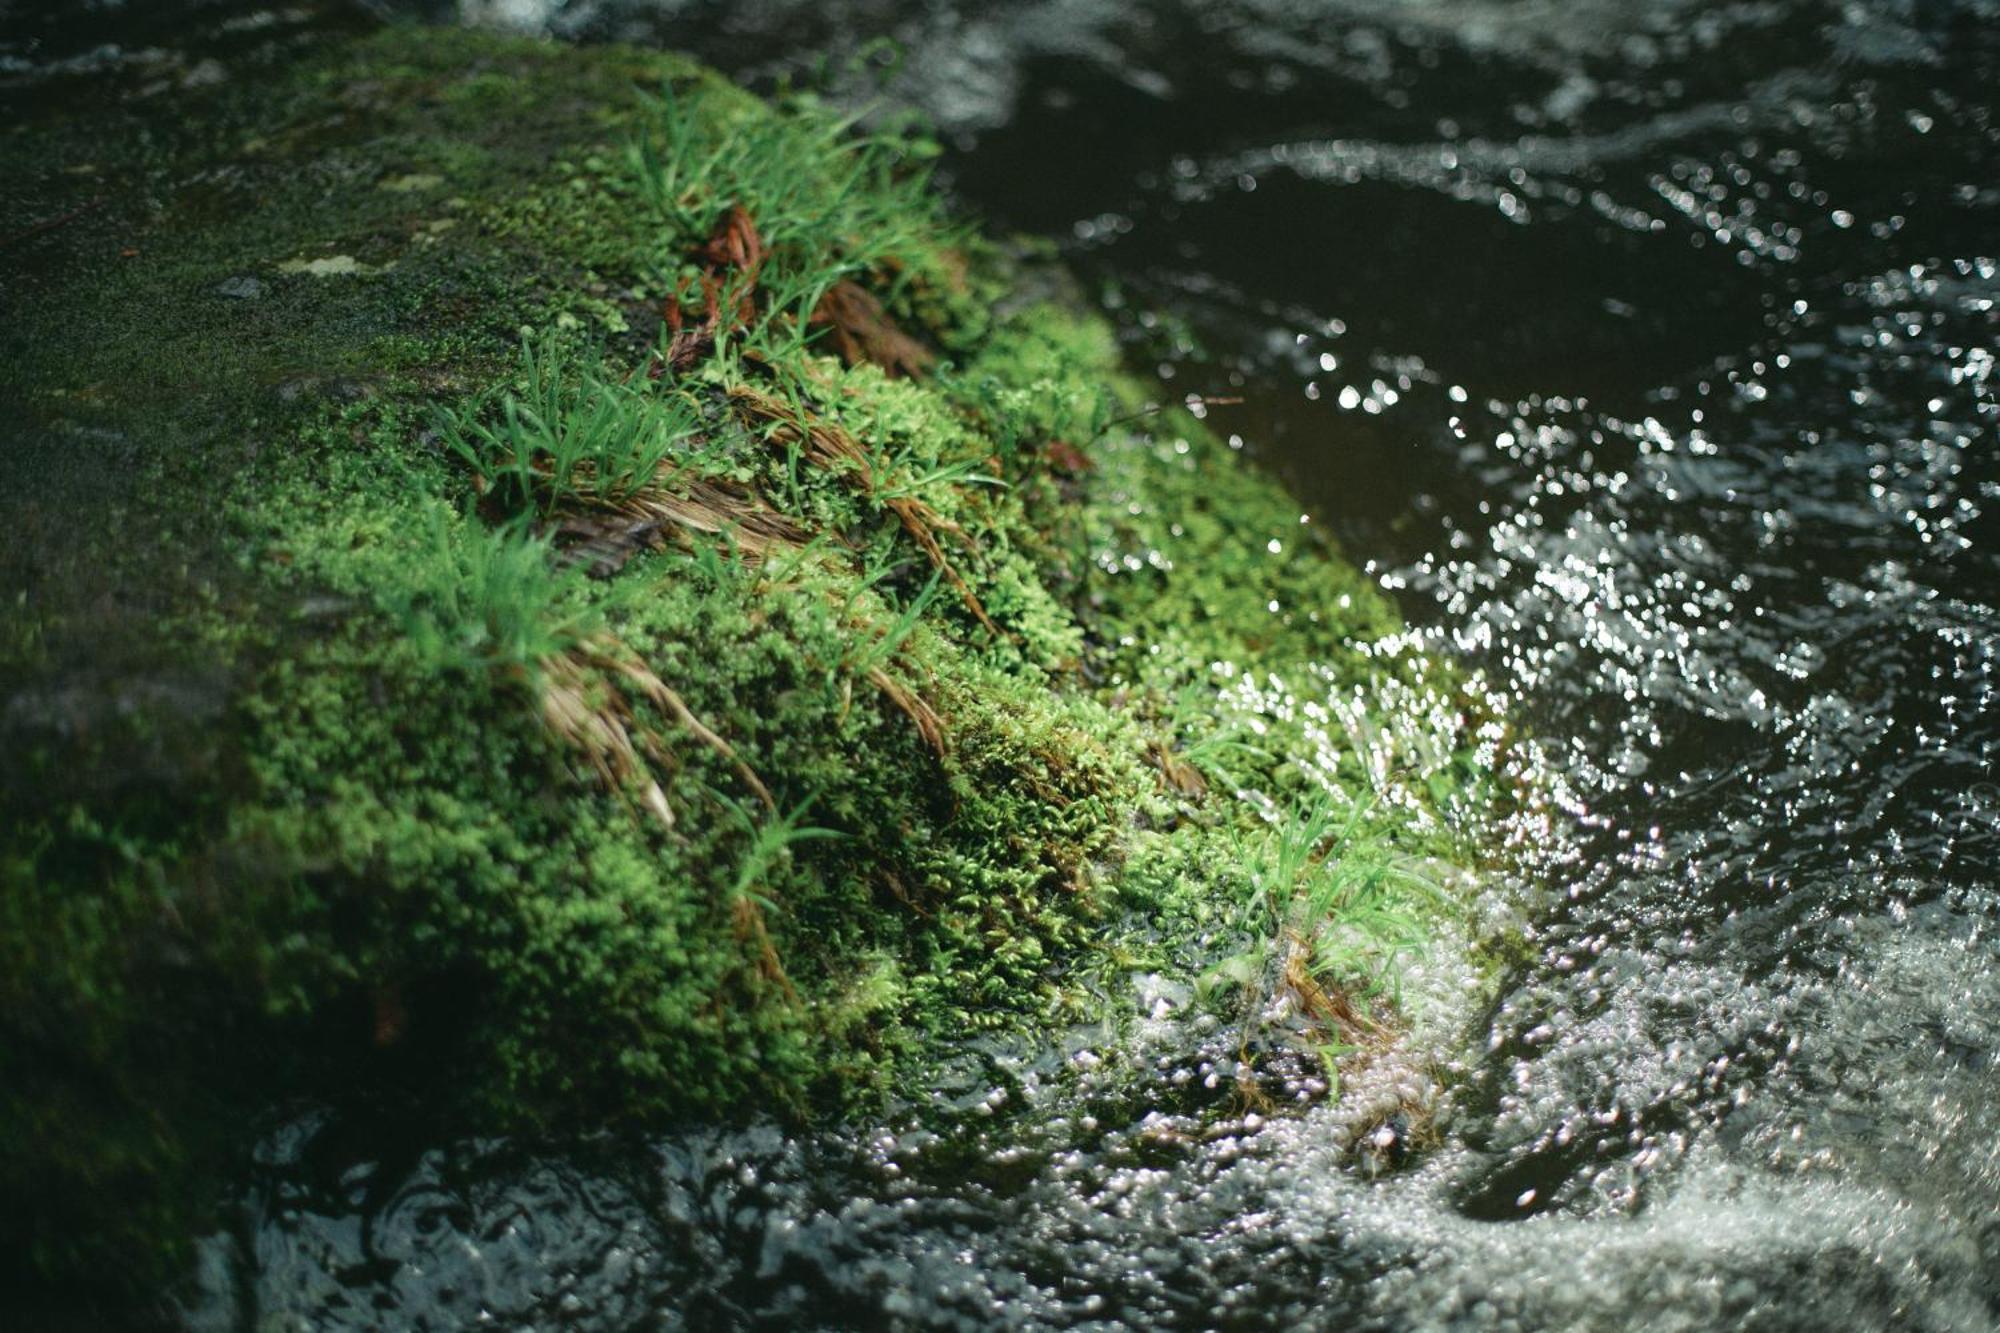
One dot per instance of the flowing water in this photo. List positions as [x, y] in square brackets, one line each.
[1646, 350]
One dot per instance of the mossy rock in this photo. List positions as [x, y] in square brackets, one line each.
[918, 677]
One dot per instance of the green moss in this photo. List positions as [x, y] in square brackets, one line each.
[915, 706]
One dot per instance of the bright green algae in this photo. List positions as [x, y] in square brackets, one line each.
[287, 809]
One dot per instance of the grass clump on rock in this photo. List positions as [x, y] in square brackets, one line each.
[652, 634]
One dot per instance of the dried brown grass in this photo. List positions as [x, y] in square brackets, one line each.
[582, 707]
[606, 532]
[1329, 1006]
[860, 330]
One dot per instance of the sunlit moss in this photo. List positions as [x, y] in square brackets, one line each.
[900, 706]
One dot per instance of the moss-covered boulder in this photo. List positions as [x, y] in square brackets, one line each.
[540, 583]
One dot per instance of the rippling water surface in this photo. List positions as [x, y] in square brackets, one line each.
[1647, 350]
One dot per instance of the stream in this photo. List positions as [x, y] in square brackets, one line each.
[1645, 351]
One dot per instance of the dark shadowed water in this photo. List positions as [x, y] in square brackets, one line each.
[1647, 350]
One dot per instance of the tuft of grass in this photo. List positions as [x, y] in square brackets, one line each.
[831, 200]
[492, 600]
[481, 599]
[771, 843]
[878, 646]
[1330, 914]
[606, 466]
[571, 436]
